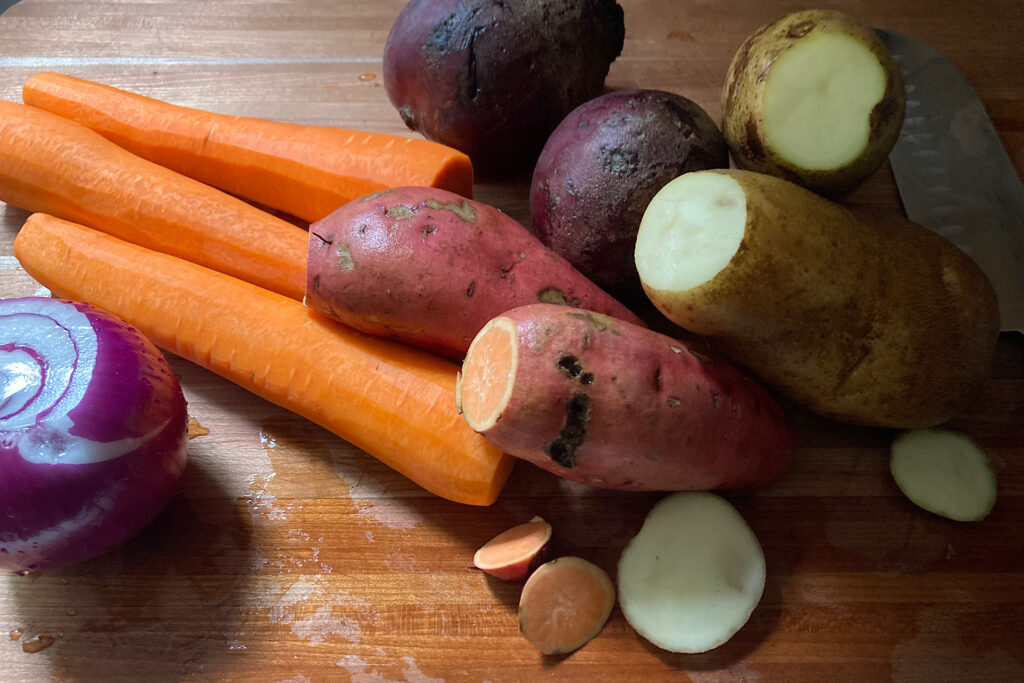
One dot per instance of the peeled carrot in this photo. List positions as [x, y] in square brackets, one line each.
[307, 171]
[394, 402]
[51, 165]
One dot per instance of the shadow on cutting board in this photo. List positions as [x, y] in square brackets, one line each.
[163, 606]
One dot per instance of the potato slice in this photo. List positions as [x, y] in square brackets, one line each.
[814, 98]
[944, 472]
[692, 576]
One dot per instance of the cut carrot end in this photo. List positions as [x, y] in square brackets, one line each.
[488, 373]
[511, 554]
[565, 603]
[456, 175]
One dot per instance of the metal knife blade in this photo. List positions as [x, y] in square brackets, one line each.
[953, 174]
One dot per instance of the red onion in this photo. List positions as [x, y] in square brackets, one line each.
[93, 432]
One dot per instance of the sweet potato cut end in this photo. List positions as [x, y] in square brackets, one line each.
[488, 372]
[511, 554]
[564, 604]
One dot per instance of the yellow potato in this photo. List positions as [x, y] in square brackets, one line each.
[814, 98]
[871, 322]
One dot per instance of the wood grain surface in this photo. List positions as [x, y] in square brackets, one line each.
[292, 556]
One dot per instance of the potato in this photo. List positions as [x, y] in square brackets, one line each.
[600, 168]
[494, 79]
[609, 404]
[814, 98]
[693, 574]
[430, 268]
[865, 320]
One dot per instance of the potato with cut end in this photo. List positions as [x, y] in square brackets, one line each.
[512, 554]
[944, 472]
[564, 604]
[863, 320]
[815, 98]
[692, 576]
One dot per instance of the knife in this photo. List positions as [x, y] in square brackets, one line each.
[953, 174]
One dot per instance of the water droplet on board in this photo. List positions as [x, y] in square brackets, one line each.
[16, 634]
[368, 76]
[37, 643]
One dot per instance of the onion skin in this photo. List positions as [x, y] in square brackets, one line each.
[132, 412]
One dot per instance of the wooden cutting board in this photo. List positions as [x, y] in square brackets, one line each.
[292, 556]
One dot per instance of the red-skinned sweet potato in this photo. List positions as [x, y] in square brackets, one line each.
[430, 268]
[613, 405]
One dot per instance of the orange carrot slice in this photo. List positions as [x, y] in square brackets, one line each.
[307, 171]
[394, 402]
[51, 165]
[564, 604]
[512, 554]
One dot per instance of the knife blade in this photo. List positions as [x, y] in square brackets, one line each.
[953, 174]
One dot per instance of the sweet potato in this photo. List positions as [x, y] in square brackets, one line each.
[613, 405]
[872, 320]
[430, 268]
[515, 552]
[565, 604]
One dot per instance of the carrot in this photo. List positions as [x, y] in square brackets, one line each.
[307, 171]
[394, 402]
[564, 604]
[51, 165]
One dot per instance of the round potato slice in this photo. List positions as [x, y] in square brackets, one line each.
[944, 472]
[692, 576]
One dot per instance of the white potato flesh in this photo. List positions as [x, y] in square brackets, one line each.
[944, 472]
[818, 98]
[692, 576]
[690, 231]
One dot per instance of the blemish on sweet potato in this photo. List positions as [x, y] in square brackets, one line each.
[345, 261]
[323, 240]
[551, 295]
[429, 230]
[674, 402]
[400, 212]
[470, 288]
[569, 365]
[463, 211]
[577, 413]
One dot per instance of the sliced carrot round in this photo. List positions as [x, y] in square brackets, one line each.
[488, 373]
[564, 604]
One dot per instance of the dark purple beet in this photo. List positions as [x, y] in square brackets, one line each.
[601, 167]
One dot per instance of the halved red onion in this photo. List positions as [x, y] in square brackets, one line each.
[93, 432]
